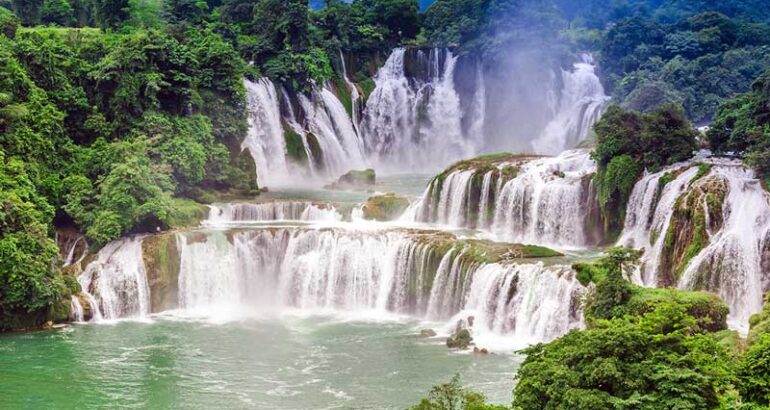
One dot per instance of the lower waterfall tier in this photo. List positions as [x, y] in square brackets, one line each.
[424, 274]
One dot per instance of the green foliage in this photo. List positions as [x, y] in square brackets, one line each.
[648, 362]
[698, 61]
[58, 12]
[8, 23]
[615, 297]
[613, 291]
[754, 373]
[30, 280]
[627, 142]
[452, 396]
[742, 126]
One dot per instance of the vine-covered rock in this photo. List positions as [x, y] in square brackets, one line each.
[385, 207]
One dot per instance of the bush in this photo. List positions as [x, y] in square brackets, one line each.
[452, 396]
[651, 362]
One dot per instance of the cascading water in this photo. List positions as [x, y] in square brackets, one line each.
[73, 247]
[77, 309]
[115, 284]
[224, 273]
[731, 261]
[407, 121]
[540, 305]
[271, 211]
[546, 201]
[355, 96]
[327, 120]
[478, 111]
[732, 264]
[648, 217]
[581, 103]
[413, 120]
[265, 139]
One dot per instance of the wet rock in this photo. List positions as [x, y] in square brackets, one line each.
[354, 180]
[427, 333]
[461, 338]
[483, 351]
[385, 207]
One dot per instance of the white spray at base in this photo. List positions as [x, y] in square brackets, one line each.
[227, 274]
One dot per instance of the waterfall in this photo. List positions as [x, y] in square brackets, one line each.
[453, 200]
[581, 103]
[380, 271]
[408, 120]
[540, 303]
[545, 202]
[265, 139]
[227, 273]
[732, 263]
[271, 211]
[478, 110]
[355, 96]
[77, 309]
[441, 133]
[486, 188]
[648, 217]
[388, 115]
[327, 120]
[73, 247]
[116, 282]
[734, 258]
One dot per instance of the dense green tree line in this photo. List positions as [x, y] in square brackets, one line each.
[742, 126]
[113, 132]
[697, 62]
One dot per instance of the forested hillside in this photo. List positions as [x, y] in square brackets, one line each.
[125, 117]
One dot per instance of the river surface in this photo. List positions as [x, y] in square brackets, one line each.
[289, 361]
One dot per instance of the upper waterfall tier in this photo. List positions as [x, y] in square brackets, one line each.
[544, 200]
[704, 225]
[426, 274]
[428, 108]
[580, 104]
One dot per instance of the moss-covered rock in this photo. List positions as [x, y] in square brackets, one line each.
[316, 152]
[385, 207]
[366, 87]
[162, 263]
[295, 146]
[506, 161]
[246, 179]
[355, 180]
[461, 338]
[696, 213]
